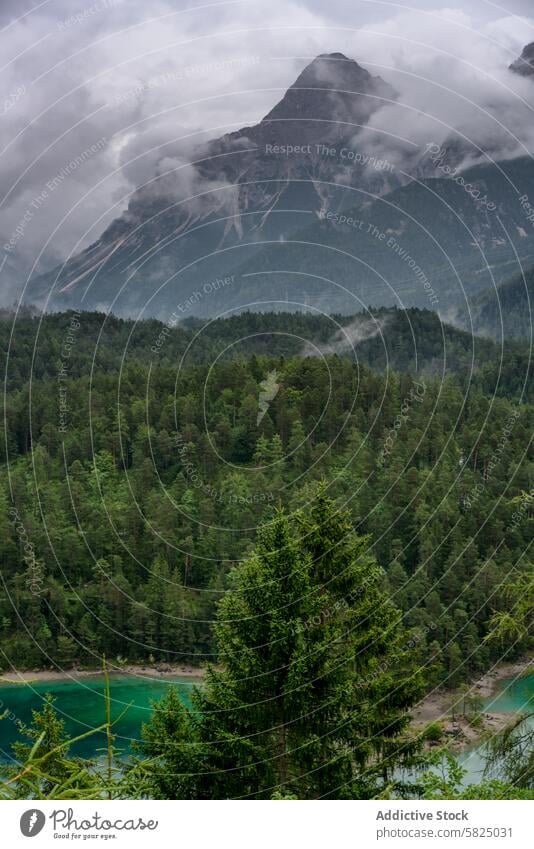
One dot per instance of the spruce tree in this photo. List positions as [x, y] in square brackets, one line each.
[311, 695]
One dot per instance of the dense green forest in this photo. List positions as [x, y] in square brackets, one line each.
[503, 312]
[127, 471]
[310, 697]
[413, 340]
[337, 510]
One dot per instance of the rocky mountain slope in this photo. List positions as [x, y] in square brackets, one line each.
[502, 312]
[299, 210]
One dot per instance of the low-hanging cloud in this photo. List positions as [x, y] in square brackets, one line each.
[156, 83]
[346, 339]
[455, 87]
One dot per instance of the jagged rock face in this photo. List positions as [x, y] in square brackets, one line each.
[330, 99]
[329, 103]
[245, 186]
[265, 206]
[525, 64]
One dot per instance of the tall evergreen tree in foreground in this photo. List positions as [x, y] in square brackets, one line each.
[313, 688]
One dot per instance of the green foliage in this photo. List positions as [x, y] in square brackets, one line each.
[503, 311]
[433, 732]
[162, 492]
[45, 769]
[446, 781]
[510, 754]
[516, 621]
[313, 688]
[120, 533]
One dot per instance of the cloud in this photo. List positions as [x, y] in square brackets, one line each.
[347, 338]
[154, 85]
[155, 82]
[454, 83]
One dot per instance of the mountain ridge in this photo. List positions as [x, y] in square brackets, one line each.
[225, 213]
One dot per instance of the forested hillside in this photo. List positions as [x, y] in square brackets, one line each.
[413, 340]
[503, 312]
[131, 488]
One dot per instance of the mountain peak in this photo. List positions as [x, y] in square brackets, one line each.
[525, 64]
[335, 71]
[333, 56]
[331, 90]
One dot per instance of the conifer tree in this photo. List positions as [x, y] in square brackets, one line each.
[313, 689]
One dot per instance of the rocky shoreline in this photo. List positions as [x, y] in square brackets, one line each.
[154, 671]
[441, 706]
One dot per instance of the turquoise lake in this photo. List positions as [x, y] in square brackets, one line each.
[512, 696]
[81, 705]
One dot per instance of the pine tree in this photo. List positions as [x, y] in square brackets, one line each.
[311, 696]
[372, 649]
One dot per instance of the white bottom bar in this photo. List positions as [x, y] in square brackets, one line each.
[268, 825]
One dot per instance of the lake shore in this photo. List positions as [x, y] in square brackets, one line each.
[155, 672]
[439, 706]
[487, 685]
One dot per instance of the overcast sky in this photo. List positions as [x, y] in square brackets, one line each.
[111, 81]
